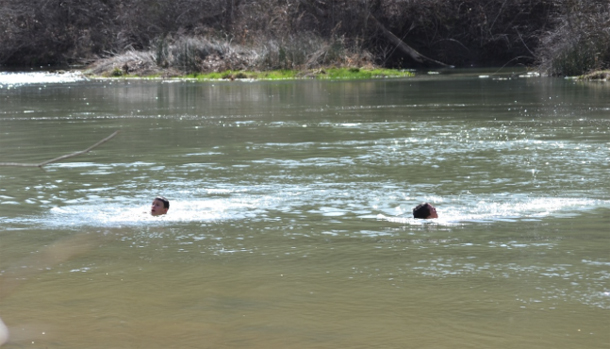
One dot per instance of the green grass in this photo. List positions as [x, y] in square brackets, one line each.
[357, 73]
[325, 74]
[322, 74]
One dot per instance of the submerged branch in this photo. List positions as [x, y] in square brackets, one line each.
[63, 157]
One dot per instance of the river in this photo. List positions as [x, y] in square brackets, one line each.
[290, 220]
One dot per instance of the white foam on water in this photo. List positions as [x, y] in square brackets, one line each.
[9, 79]
[505, 210]
[239, 205]
[113, 215]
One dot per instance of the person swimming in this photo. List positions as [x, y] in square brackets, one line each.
[424, 211]
[160, 205]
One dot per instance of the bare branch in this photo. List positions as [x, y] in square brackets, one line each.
[418, 57]
[63, 157]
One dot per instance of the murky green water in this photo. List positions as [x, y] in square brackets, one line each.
[290, 225]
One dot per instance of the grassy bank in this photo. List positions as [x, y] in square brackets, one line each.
[320, 74]
[600, 75]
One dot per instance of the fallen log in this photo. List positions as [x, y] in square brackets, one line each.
[402, 46]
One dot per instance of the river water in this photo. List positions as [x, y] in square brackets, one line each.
[290, 221]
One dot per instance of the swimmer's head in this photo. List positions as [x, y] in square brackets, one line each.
[160, 205]
[425, 211]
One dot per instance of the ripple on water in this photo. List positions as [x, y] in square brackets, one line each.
[257, 204]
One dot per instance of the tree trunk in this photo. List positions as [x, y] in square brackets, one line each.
[402, 46]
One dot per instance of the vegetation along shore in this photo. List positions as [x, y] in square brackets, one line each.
[304, 38]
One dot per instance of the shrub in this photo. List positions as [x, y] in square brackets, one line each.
[579, 41]
[564, 36]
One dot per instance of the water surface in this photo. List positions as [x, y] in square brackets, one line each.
[290, 219]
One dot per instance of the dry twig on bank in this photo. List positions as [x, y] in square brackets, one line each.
[63, 157]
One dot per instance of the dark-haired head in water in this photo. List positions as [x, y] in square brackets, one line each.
[425, 211]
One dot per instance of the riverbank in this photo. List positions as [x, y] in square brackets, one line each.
[330, 73]
[183, 36]
[598, 75]
[15, 77]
